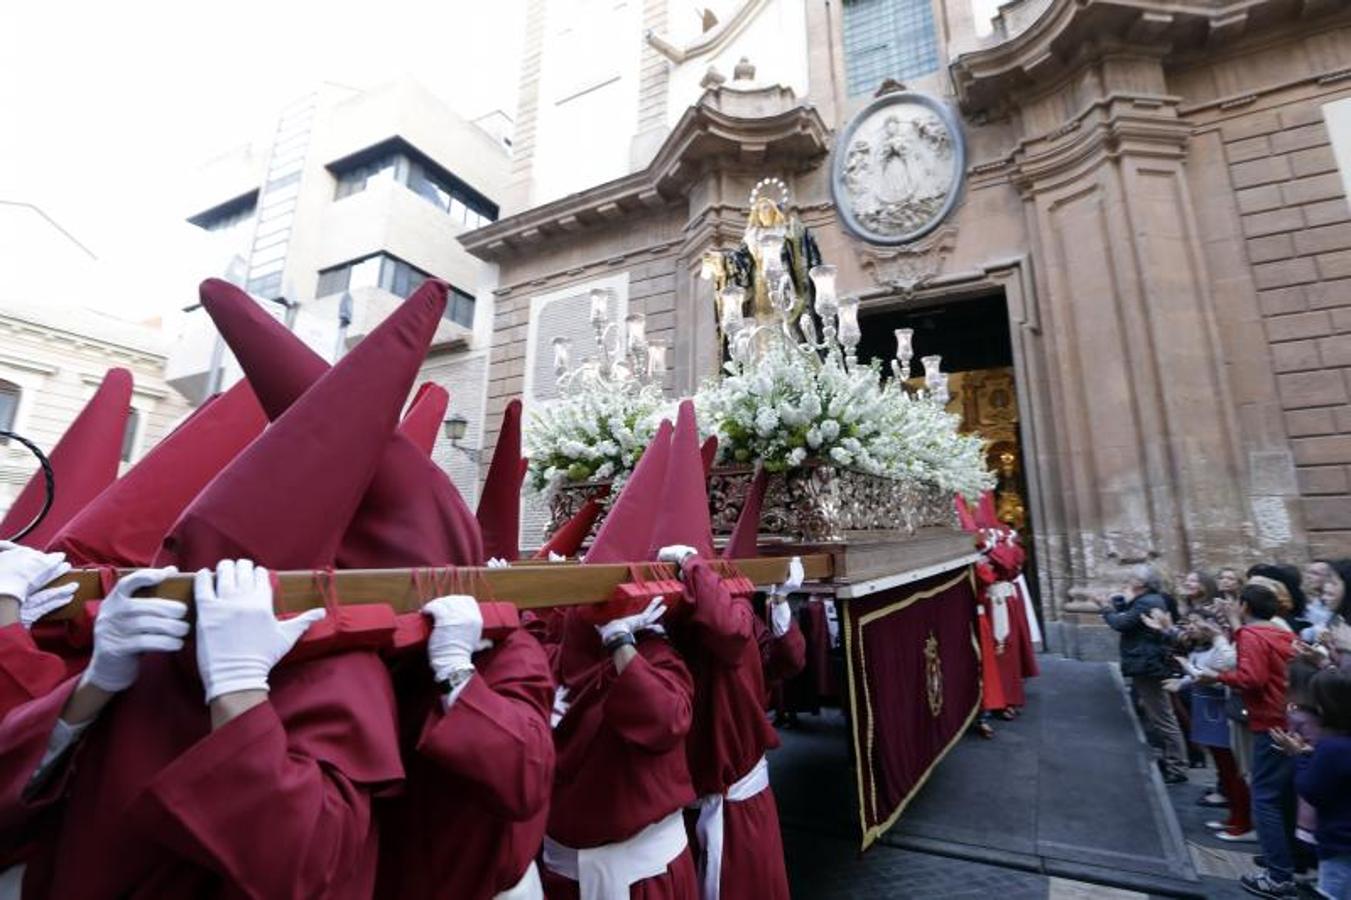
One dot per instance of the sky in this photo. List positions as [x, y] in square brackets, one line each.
[107, 108]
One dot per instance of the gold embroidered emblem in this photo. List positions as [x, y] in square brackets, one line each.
[933, 674]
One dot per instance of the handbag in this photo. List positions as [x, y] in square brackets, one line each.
[1234, 707]
[1209, 719]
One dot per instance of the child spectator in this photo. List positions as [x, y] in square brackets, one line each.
[1323, 778]
[1303, 720]
[1212, 653]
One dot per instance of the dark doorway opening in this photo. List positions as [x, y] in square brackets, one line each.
[969, 334]
[972, 335]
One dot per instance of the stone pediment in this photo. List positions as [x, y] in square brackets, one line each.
[1068, 33]
[747, 127]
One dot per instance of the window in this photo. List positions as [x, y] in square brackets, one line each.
[888, 39]
[129, 433]
[460, 308]
[396, 276]
[9, 404]
[268, 286]
[231, 214]
[397, 160]
[380, 270]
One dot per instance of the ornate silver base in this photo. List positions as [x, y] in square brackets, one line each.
[813, 503]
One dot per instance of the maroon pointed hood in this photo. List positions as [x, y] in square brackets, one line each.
[708, 451]
[125, 525]
[499, 506]
[985, 512]
[684, 500]
[279, 365]
[626, 532]
[422, 423]
[286, 501]
[413, 514]
[965, 518]
[745, 540]
[570, 536]
[84, 462]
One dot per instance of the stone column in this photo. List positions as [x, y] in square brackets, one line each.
[1141, 414]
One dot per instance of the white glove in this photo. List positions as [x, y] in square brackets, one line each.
[780, 615]
[557, 557]
[39, 603]
[24, 570]
[795, 579]
[456, 633]
[634, 623]
[128, 626]
[676, 554]
[239, 637]
[496, 563]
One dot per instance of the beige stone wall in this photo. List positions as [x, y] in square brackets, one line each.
[1279, 228]
[58, 360]
[1296, 222]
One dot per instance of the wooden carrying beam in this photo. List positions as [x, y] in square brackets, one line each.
[527, 585]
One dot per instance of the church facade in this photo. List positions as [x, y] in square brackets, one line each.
[1123, 223]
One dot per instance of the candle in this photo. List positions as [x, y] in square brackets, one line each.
[636, 326]
[823, 279]
[850, 334]
[733, 297]
[656, 361]
[905, 347]
[562, 354]
[599, 306]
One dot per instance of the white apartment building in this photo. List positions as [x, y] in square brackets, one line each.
[336, 215]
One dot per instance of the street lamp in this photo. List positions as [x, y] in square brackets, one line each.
[455, 427]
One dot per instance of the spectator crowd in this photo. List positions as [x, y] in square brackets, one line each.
[1254, 672]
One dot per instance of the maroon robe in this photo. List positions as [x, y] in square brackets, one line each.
[782, 657]
[621, 754]
[151, 803]
[730, 732]
[816, 682]
[26, 671]
[1017, 659]
[473, 811]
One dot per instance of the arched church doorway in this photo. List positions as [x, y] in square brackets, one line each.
[971, 334]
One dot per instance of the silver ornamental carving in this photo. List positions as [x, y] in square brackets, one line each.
[897, 168]
[812, 503]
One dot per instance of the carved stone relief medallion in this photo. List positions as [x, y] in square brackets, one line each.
[897, 168]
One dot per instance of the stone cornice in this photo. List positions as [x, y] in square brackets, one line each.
[987, 80]
[723, 125]
[1044, 164]
[19, 325]
[586, 270]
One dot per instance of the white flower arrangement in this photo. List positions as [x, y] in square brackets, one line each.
[788, 409]
[596, 434]
[783, 410]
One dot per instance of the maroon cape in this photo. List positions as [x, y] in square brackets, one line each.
[623, 729]
[729, 733]
[169, 810]
[479, 775]
[26, 672]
